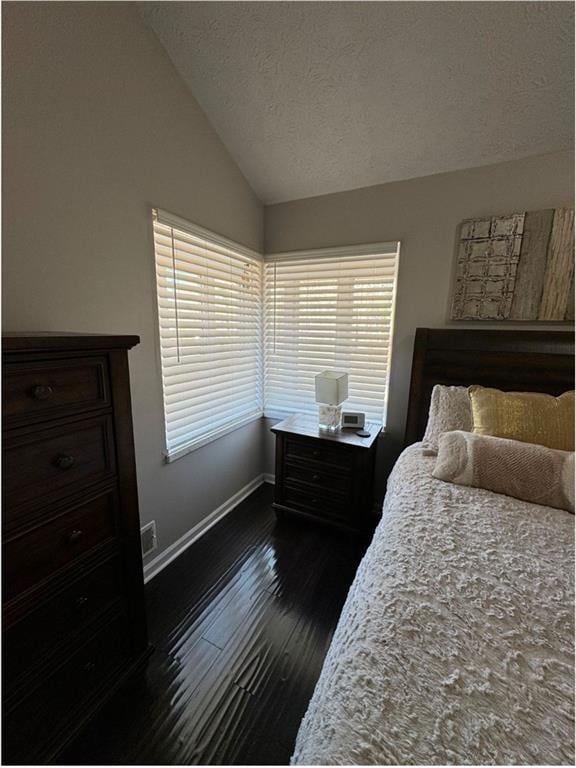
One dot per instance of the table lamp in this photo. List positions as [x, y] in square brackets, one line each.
[331, 391]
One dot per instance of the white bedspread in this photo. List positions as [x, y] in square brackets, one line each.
[455, 645]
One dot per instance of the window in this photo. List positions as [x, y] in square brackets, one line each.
[209, 313]
[330, 308]
[323, 309]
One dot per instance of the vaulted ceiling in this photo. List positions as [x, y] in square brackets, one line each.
[319, 97]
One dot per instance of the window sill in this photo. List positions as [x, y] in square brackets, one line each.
[200, 442]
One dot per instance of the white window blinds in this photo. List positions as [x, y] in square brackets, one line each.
[209, 311]
[329, 309]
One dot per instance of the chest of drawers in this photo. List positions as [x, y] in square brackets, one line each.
[74, 624]
[325, 477]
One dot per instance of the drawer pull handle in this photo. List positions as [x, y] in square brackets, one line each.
[80, 603]
[90, 666]
[42, 392]
[74, 536]
[65, 461]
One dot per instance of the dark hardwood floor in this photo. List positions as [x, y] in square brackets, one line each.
[241, 623]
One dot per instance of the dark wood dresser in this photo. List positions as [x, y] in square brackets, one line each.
[74, 623]
[325, 477]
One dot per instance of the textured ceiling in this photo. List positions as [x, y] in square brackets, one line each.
[319, 97]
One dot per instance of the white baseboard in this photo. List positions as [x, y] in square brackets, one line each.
[268, 478]
[165, 557]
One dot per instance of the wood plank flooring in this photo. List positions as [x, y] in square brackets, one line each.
[241, 623]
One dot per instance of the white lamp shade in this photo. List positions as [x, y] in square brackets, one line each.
[331, 387]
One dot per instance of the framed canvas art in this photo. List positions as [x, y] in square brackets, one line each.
[516, 267]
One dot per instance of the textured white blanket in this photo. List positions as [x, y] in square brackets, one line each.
[455, 645]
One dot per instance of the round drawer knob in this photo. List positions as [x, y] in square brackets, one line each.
[65, 461]
[315, 477]
[74, 536]
[42, 392]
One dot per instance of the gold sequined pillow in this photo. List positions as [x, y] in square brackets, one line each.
[531, 417]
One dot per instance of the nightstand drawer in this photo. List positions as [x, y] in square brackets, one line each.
[317, 452]
[329, 478]
[319, 503]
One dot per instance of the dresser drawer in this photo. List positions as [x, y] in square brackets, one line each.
[45, 464]
[44, 716]
[324, 479]
[37, 554]
[56, 620]
[319, 503]
[320, 453]
[34, 391]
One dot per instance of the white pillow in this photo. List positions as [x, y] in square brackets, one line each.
[525, 471]
[450, 409]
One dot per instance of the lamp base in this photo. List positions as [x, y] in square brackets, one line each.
[329, 417]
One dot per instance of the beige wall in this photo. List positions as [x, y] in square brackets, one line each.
[98, 127]
[423, 214]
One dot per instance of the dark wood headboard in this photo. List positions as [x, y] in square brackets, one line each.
[524, 361]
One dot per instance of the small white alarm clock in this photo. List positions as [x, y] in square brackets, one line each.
[353, 420]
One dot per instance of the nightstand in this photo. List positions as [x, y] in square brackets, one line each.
[325, 477]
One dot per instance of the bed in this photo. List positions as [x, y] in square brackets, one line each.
[455, 645]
